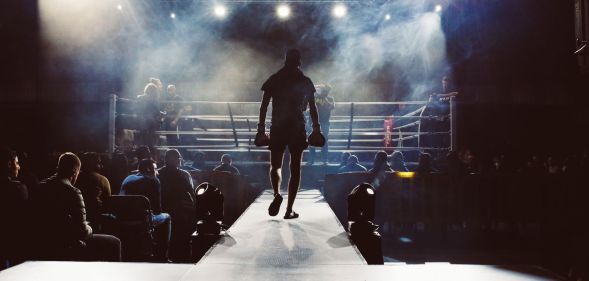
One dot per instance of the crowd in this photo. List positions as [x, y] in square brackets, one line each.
[465, 161]
[59, 216]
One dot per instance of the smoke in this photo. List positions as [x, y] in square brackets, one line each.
[363, 55]
[396, 59]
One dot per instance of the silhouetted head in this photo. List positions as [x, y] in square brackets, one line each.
[199, 157]
[445, 82]
[150, 90]
[380, 158]
[172, 90]
[172, 158]
[147, 167]
[91, 162]
[353, 159]
[324, 90]
[397, 160]
[344, 157]
[397, 156]
[293, 58]
[120, 162]
[226, 159]
[425, 162]
[68, 166]
[143, 152]
[158, 84]
[10, 165]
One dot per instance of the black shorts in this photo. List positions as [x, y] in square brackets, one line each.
[295, 138]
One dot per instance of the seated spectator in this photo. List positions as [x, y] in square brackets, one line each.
[379, 168]
[118, 170]
[14, 205]
[352, 166]
[226, 165]
[398, 162]
[199, 161]
[61, 216]
[142, 152]
[178, 200]
[380, 163]
[25, 174]
[552, 165]
[456, 167]
[497, 164]
[186, 165]
[146, 183]
[344, 159]
[94, 186]
[425, 163]
[533, 165]
[470, 161]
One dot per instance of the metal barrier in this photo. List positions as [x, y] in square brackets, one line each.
[478, 199]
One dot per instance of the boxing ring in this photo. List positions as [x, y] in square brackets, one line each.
[356, 127]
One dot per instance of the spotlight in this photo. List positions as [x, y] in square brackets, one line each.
[220, 11]
[209, 209]
[387, 17]
[339, 11]
[283, 11]
[119, 7]
[364, 233]
[361, 203]
[172, 15]
[438, 8]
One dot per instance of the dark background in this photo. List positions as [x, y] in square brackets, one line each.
[521, 87]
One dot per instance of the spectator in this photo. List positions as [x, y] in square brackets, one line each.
[146, 183]
[187, 165]
[470, 161]
[199, 161]
[534, 165]
[380, 163]
[344, 159]
[149, 114]
[226, 165]
[325, 105]
[379, 169]
[352, 166]
[142, 152]
[118, 171]
[425, 163]
[498, 164]
[398, 162]
[173, 109]
[14, 205]
[178, 200]
[552, 165]
[456, 167]
[61, 214]
[94, 186]
[25, 174]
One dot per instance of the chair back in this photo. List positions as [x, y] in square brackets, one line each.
[129, 217]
